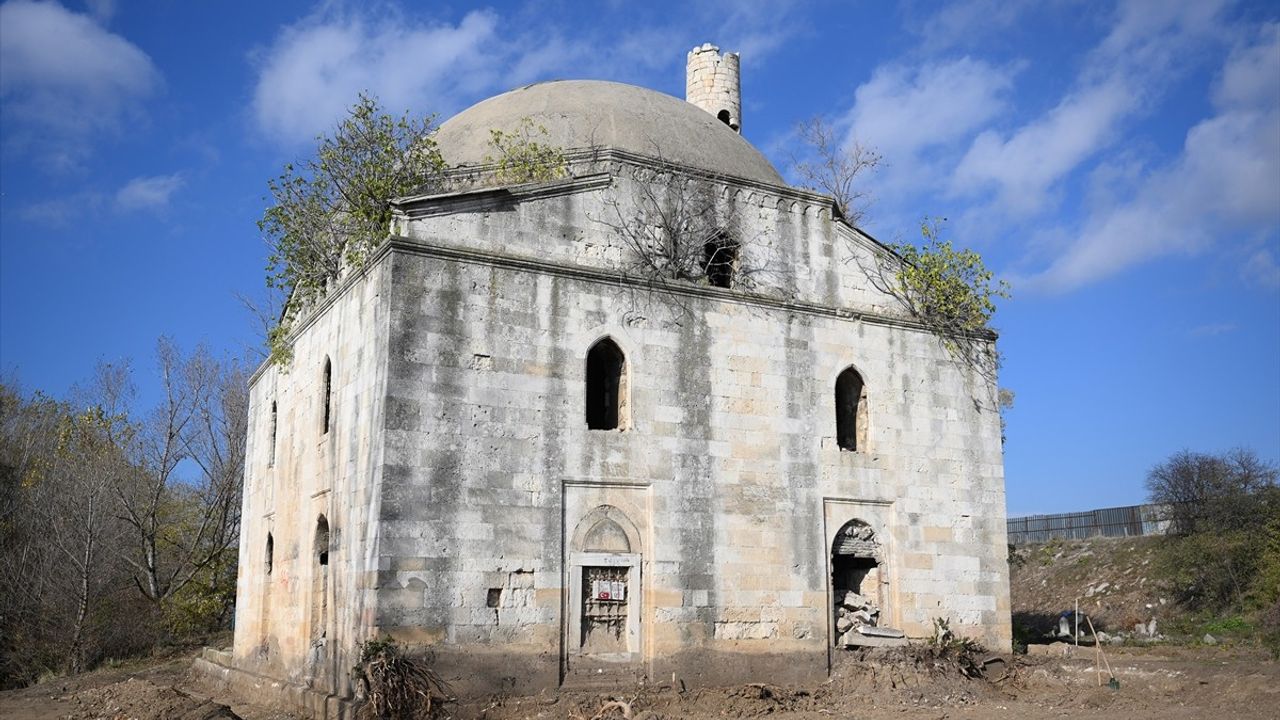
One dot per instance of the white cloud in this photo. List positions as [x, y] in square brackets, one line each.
[1261, 269]
[58, 212]
[1223, 183]
[148, 193]
[1025, 166]
[315, 69]
[756, 28]
[902, 110]
[1121, 77]
[1152, 36]
[63, 77]
[310, 74]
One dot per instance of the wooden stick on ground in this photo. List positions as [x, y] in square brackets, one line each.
[1098, 645]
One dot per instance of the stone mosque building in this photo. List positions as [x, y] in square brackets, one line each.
[498, 442]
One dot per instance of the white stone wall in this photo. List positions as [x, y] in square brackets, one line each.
[460, 470]
[809, 258]
[729, 469]
[334, 474]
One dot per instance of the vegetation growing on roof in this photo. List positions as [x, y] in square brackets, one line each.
[525, 155]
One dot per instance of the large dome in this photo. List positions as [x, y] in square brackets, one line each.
[594, 113]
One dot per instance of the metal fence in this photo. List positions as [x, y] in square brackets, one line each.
[1129, 521]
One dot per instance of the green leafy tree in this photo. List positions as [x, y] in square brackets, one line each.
[949, 288]
[330, 211]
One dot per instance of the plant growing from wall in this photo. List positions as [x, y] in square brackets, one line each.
[675, 230]
[950, 288]
[521, 157]
[951, 291]
[331, 210]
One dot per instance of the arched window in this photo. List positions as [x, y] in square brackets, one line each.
[271, 451]
[720, 260]
[322, 540]
[606, 386]
[271, 551]
[327, 388]
[851, 411]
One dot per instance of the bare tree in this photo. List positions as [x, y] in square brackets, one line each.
[265, 314]
[836, 168]
[114, 531]
[1212, 493]
[678, 229]
[202, 420]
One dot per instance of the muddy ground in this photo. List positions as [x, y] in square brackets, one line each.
[1173, 683]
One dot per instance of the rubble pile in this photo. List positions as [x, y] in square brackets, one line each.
[852, 612]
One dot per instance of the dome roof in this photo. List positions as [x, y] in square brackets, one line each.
[594, 113]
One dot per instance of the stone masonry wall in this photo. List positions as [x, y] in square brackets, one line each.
[281, 631]
[809, 258]
[712, 82]
[729, 471]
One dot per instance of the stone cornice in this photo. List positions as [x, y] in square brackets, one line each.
[484, 198]
[604, 277]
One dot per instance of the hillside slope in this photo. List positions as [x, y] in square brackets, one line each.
[1114, 579]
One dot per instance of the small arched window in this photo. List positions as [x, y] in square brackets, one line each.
[720, 260]
[322, 541]
[725, 118]
[327, 389]
[271, 451]
[271, 551]
[851, 411]
[606, 386]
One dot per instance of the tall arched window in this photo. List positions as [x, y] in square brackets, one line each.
[327, 389]
[271, 551]
[851, 411]
[320, 585]
[271, 451]
[322, 541]
[606, 386]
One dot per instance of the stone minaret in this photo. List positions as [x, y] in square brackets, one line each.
[711, 83]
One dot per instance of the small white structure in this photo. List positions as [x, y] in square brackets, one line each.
[497, 442]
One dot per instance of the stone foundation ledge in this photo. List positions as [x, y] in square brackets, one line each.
[216, 668]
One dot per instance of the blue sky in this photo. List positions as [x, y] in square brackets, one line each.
[1119, 163]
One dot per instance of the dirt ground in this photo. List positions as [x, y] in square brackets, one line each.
[1170, 683]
